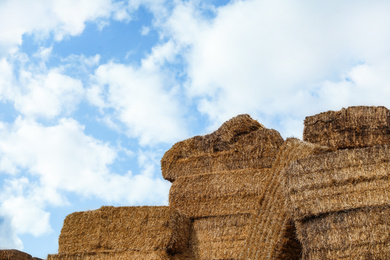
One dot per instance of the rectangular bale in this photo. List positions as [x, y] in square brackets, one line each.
[346, 179]
[355, 234]
[220, 237]
[118, 255]
[240, 143]
[12, 254]
[123, 229]
[218, 194]
[359, 126]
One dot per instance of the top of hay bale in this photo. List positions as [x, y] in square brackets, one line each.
[239, 143]
[358, 126]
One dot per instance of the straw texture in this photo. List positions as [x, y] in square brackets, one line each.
[354, 234]
[120, 255]
[14, 255]
[272, 232]
[360, 126]
[239, 143]
[125, 229]
[220, 193]
[220, 237]
[341, 203]
[340, 180]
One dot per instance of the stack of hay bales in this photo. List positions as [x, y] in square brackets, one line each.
[15, 255]
[124, 233]
[341, 199]
[218, 180]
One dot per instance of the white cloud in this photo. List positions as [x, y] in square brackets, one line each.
[144, 98]
[8, 235]
[6, 79]
[61, 156]
[363, 85]
[61, 18]
[42, 164]
[39, 92]
[25, 210]
[274, 58]
[47, 95]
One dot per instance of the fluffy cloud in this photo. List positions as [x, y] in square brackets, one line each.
[37, 92]
[61, 156]
[44, 17]
[22, 203]
[47, 95]
[41, 164]
[8, 236]
[144, 98]
[274, 58]
[6, 79]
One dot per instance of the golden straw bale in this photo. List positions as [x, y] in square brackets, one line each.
[220, 237]
[113, 255]
[125, 228]
[220, 193]
[239, 143]
[355, 234]
[359, 126]
[272, 233]
[122, 255]
[340, 180]
[12, 254]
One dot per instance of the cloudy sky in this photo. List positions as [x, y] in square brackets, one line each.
[93, 92]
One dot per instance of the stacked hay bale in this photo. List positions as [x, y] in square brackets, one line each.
[218, 180]
[15, 255]
[341, 199]
[351, 127]
[124, 233]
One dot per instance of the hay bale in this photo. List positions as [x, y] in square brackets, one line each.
[338, 181]
[217, 194]
[12, 254]
[272, 232]
[239, 143]
[341, 203]
[354, 234]
[220, 237]
[352, 127]
[114, 255]
[125, 229]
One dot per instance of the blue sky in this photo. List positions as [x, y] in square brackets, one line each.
[92, 93]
